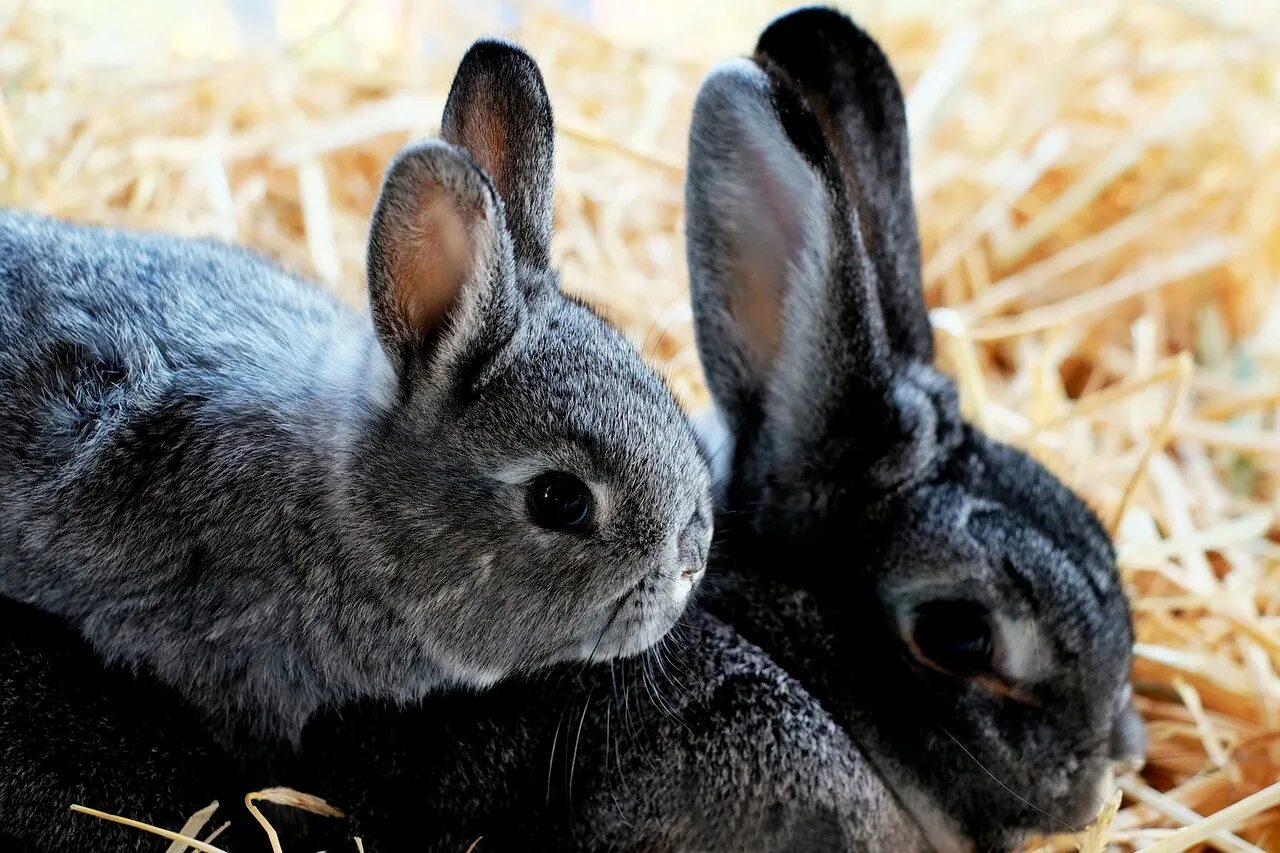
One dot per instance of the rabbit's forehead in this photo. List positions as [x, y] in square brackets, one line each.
[601, 414]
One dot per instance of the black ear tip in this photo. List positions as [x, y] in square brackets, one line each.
[807, 43]
[498, 57]
[504, 75]
[808, 25]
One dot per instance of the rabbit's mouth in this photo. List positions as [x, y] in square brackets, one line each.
[640, 618]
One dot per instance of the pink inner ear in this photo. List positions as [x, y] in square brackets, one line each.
[756, 312]
[768, 239]
[433, 254]
[483, 133]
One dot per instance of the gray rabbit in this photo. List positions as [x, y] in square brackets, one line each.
[953, 605]
[220, 473]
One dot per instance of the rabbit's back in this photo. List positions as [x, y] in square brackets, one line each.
[90, 311]
[159, 398]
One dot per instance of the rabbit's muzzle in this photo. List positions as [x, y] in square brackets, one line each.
[1129, 740]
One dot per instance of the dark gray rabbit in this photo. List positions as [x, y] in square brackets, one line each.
[709, 746]
[219, 473]
[952, 604]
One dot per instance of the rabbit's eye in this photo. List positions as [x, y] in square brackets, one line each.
[559, 501]
[954, 635]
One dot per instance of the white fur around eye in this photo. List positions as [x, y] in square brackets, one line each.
[520, 472]
[1023, 652]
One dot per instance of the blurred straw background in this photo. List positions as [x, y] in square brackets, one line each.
[1099, 196]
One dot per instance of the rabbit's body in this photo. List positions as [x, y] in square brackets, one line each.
[170, 407]
[711, 747]
[714, 748]
[272, 502]
[75, 730]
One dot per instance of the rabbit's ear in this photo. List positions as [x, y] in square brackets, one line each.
[846, 80]
[782, 289]
[441, 279]
[499, 113]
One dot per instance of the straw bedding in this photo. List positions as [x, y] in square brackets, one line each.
[1099, 197]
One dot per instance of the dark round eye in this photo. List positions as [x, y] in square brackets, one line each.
[954, 635]
[559, 501]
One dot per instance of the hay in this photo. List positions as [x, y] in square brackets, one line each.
[1099, 191]
[186, 836]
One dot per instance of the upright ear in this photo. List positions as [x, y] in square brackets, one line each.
[788, 322]
[499, 113]
[441, 278]
[844, 77]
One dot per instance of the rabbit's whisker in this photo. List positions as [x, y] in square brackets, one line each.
[555, 740]
[617, 608]
[996, 779]
[577, 741]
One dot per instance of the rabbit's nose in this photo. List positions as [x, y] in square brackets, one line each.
[1129, 741]
[695, 541]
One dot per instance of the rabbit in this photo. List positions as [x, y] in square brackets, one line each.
[955, 607]
[706, 745]
[219, 473]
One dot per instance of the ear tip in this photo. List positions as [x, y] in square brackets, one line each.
[497, 57]
[491, 51]
[432, 161]
[732, 79]
[744, 91]
[807, 42]
[503, 75]
[809, 24]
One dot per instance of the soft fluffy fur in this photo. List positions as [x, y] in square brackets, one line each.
[712, 748]
[219, 473]
[858, 493]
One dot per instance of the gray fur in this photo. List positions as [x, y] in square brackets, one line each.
[858, 494]
[219, 473]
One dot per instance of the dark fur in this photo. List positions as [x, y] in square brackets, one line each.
[709, 747]
[218, 472]
[857, 491]
[74, 730]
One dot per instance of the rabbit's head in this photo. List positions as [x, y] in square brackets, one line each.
[973, 632]
[531, 486]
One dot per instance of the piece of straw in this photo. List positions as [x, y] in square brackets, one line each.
[285, 797]
[176, 837]
[192, 827]
[1234, 814]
